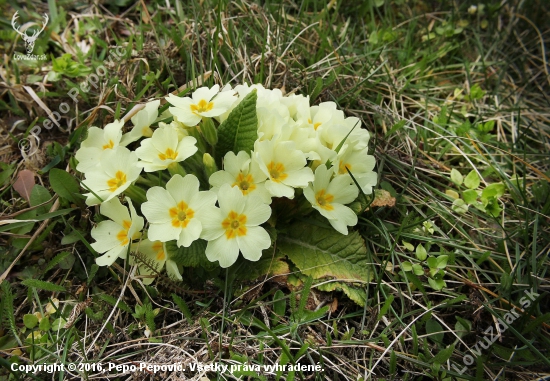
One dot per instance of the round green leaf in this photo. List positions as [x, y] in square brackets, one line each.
[406, 266]
[469, 196]
[460, 206]
[456, 177]
[417, 269]
[44, 324]
[30, 321]
[421, 253]
[472, 180]
[442, 261]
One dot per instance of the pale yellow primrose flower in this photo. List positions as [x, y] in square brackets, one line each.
[116, 171]
[165, 148]
[155, 252]
[270, 99]
[96, 143]
[242, 172]
[323, 115]
[233, 227]
[329, 198]
[334, 133]
[114, 237]
[359, 163]
[142, 122]
[175, 213]
[284, 165]
[205, 102]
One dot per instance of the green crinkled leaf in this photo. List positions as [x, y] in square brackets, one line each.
[358, 295]
[320, 253]
[266, 265]
[192, 256]
[240, 130]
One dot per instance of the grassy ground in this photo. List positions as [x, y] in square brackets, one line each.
[440, 85]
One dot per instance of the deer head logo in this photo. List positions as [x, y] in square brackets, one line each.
[29, 40]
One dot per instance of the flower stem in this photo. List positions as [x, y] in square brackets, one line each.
[144, 181]
[176, 169]
[136, 194]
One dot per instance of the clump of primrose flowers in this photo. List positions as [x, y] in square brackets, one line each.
[214, 166]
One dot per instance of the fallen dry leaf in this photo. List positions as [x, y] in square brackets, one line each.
[383, 198]
[334, 305]
[24, 184]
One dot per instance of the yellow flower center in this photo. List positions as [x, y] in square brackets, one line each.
[202, 106]
[117, 181]
[245, 183]
[122, 235]
[109, 145]
[168, 154]
[315, 125]
[181, 214]
[276, 171]
[157, 247]
[234, 225]
[342, 168]
[324, 199]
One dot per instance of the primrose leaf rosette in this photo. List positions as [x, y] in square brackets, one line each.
[244, 178]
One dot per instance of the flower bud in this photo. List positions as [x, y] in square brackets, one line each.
[209, 132]
[209, 164]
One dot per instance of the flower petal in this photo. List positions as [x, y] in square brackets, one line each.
[211, 219]
[183, 188]
[114, 210]
[279, 189]
[185, 117]
[111, 256]
[300, 178]
[256, 211]
[223, 250]
[217, 179]
[230, 199]
[163, 232]
[172, 270]
[205, 93]
[343, 188]
[156, 208]
[252, 244]
[190, 233]
[105, 233]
